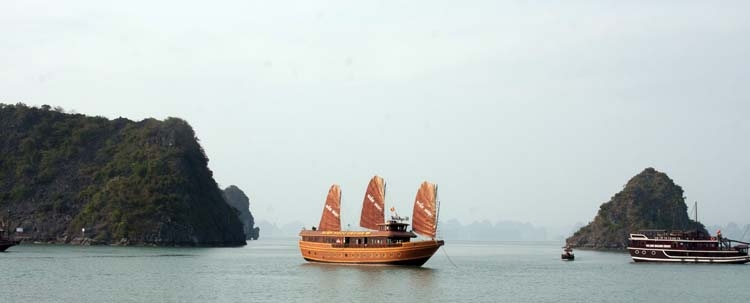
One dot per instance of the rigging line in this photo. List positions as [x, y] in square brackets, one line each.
[747, 228]
[449, 258]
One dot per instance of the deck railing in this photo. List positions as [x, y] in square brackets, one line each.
[368, 245]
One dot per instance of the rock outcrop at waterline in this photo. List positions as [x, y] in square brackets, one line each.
[650, 200]
[237, 199]
[68, 177]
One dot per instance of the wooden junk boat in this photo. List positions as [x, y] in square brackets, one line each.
[686, 247]
[384, 242]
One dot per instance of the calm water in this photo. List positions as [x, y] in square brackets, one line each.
[271, 270]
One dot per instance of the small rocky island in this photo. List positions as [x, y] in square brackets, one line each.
[650, 200]
[70, 178]
[239, 201]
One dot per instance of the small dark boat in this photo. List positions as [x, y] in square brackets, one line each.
[6, 241]
[5, 244]
[567, 254]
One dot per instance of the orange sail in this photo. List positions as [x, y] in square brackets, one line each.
[424, 221]
[373, 204]
[331, 219]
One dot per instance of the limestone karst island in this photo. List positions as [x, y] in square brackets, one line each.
[649, 201]
[69, 178]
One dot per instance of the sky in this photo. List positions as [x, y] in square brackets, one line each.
[529, 111]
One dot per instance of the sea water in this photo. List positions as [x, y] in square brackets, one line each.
[272, 270]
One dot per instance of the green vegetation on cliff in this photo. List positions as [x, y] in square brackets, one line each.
[143, 182]
[650, 200]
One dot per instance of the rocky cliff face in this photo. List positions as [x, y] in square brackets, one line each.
[70, 177]
[650, 200]
[237, 199]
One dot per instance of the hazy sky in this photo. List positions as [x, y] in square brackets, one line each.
[533, 111]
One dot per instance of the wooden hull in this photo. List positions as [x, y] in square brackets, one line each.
[406, 254]
[682, 256]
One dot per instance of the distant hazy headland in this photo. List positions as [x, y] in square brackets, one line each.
[237, 199]
[650, 200]
[69, 178]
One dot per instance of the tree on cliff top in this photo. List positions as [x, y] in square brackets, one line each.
[650, 200]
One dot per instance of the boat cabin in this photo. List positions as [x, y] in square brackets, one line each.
[681, 240]
[388, 234]
[393, 225]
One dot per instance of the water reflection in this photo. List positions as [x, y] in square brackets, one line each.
[370, 281]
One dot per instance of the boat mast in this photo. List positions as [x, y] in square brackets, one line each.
[385, 188]
[437, 209]
[696, 211]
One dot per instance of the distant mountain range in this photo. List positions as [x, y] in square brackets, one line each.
[285, 230]
[498, 231]
[451, 230]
